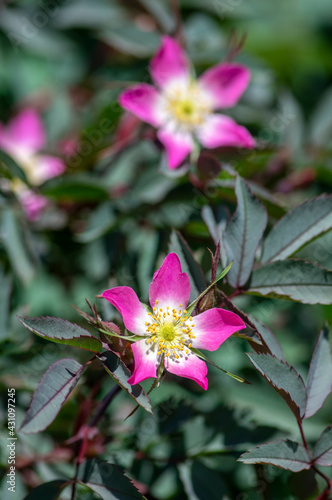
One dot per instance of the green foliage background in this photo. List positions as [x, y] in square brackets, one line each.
[111, 220]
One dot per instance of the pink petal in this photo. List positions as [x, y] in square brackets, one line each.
[26, 131]
[133, 312]
[213, 327]
[178, 145]
[146, 361]
[169, 63]
[188, 366]
[142, 100]
[225, 83]
[170, 286]
[220, 130]
[33, 204]
[50, 166]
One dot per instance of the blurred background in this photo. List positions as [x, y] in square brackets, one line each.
[108, 219]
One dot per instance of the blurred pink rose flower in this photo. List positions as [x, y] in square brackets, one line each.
[183, 108]
[167, 331]
[23, 138]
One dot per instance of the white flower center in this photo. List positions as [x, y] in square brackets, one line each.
[186, 105]
[170, 330]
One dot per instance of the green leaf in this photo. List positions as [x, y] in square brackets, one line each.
[5, 291]
[293, 279]
[13, 169]
[322, 452]
[284, 379]
[268, 339]
[76, 188]
[189, 265]
[243, 234]
[108, 480]
[281, 453]
[201, 482]
[51, 393]
[62, 332]
[120, 373]
[100, 221]
[12, 238]
[49, 491]
[319, 384]
[297, 228]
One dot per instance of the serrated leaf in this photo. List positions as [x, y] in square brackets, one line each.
[243, 234]
[322, 452]
[281, 453]
[108, 480]
[284, 379]
[49, 491]
[297, 228]
[118, 370]
[189, 265]
[268, 339]
[319, 384]
[62, 332]
[293, 279]
[51, 393]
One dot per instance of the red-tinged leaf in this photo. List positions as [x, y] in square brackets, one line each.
[118, 370]
[319, 384]
[269, 340]
[108, 480]
[322, 453]
[53, 389]
[62, 332]
[284, 379]
[285, 454]
[49, 491]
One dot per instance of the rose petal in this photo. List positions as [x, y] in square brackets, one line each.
[146, 361]
[26, 131]
[178, 145]
[220, 130]
[33, 204]
[170, 286]
[170, 63]
[213, 327]
[133, 312]
[225, 83]
[143, 101]
[50, 166]
[188, 366]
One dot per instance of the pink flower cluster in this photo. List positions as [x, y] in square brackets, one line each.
[168, 333]
[183, 109]
[23, 138]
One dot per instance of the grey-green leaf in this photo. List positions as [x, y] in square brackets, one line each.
[62, 332]
[269, 339]
[281, 453]
[243, 234]
[5, 291]
[118, 370]
[322, 452]
[293, 279]
[51, 393]
[284, 379]
[50, 490]
[108, 480]
[319, 384]
[297, 228]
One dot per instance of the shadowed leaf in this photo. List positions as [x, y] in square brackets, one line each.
[323, 448]
[49, 491]
[52, 391]
[285, 454]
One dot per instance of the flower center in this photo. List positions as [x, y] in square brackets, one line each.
[170, 330]
[187, 105]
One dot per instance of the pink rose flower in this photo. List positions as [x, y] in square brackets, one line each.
[23, 138]
[183, 108]
[167, 331]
